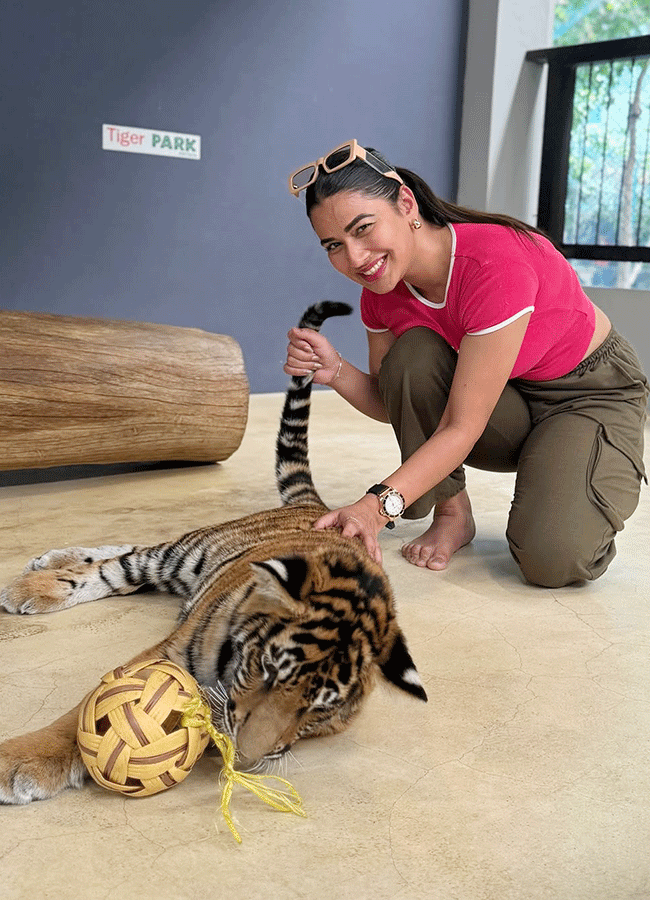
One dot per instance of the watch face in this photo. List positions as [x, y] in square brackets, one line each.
[393, 504]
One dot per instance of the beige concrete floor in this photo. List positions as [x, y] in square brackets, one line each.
[525, 777]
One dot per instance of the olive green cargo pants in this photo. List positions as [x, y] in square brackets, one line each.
[576, 444]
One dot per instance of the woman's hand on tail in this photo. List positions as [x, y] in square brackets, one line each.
[310, 353]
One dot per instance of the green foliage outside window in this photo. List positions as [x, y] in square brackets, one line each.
[586, 21]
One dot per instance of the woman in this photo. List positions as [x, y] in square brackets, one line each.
[483, 349]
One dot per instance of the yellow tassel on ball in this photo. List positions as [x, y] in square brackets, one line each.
[197, 715]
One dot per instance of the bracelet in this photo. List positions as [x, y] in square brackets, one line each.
[338, 371]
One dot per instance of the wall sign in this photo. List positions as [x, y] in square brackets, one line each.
[129, 139]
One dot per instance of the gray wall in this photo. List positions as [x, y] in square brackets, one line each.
[218, 244]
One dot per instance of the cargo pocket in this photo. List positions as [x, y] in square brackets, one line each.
[613, 480]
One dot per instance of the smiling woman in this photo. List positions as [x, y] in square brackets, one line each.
[362, 237]
[483, 349]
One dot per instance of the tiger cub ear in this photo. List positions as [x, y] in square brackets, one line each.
[280, 581]
[399, 669]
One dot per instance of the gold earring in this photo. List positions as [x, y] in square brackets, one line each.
[415, 224]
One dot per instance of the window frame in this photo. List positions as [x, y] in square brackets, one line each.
[558, 115]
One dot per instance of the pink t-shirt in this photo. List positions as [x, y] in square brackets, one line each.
[497, 275]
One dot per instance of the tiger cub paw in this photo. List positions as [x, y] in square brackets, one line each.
[70, 556]
[41, 592]
[30, 772]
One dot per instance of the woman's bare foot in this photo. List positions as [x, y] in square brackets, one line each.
[452, 527]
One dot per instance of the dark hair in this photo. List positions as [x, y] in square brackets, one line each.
[358, 176]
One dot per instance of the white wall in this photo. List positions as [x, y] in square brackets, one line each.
[503, 106]
[630, 315]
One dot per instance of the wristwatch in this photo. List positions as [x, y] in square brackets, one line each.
[391, 502]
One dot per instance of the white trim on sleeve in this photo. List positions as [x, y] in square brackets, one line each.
[522, 312]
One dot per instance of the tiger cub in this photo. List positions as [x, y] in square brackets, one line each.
[289, 626]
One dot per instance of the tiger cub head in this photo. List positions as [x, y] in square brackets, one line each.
[304, 648]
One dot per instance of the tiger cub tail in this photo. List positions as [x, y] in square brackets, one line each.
[292, 471]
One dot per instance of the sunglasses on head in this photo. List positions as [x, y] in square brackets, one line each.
[336, 159]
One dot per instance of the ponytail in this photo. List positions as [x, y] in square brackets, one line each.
[443, 212]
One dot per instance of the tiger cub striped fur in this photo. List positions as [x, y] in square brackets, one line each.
[288, 626]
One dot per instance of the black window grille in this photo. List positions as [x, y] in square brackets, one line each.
[594, 197]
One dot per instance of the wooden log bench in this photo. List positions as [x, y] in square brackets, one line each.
[77, 391]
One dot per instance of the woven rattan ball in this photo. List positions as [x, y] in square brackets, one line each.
[130, 733]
